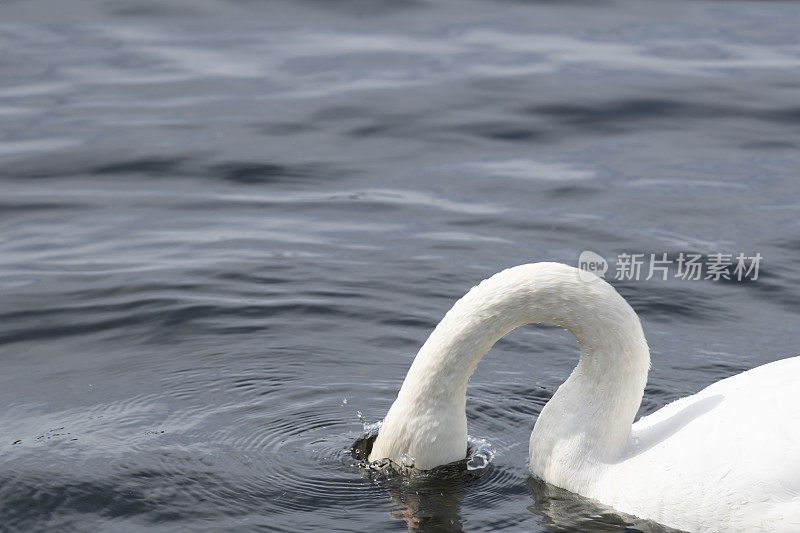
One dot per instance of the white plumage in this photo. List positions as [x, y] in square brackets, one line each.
[724, 459]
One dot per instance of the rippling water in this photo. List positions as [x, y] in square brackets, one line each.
[227, 226]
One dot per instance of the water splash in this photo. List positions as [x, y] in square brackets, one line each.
[480, 454]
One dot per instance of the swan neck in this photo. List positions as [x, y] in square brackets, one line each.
[604, 391]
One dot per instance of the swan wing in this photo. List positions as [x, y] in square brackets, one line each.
[726, 458]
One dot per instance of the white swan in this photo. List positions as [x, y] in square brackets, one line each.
[724, 459]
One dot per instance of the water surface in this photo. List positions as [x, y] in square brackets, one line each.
[226, 227]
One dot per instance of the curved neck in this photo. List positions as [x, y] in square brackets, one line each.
[599, 401]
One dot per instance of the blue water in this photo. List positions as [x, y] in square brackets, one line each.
[226, 227]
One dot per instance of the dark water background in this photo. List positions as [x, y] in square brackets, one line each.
[227, 226]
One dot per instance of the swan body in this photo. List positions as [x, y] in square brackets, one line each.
[724, 459]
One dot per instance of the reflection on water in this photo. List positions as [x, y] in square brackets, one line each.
[226, 227]
[564, 511]
[429, 501]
